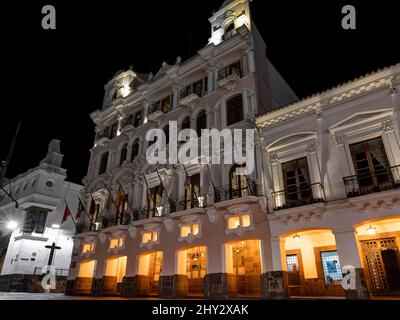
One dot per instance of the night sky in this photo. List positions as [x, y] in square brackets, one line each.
[53, 79]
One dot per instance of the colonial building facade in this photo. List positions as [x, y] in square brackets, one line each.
[201, 230]
[41, 194]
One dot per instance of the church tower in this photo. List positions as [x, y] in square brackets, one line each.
[231, 16]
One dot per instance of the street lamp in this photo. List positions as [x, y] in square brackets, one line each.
[12, 225]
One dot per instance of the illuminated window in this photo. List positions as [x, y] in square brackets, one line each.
[239, 221]
[192, 229]
[150, 236]
[116, 243]
[88, 247]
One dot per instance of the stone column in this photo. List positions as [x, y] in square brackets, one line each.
[395, 94]
[216, 280]
[251, 61]
[176, 93]
[347, 249]
[274, 283]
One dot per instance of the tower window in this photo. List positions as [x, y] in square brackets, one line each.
[103, 163]
[124, 153]
[234, 109]
[201, 122]
[135, 150]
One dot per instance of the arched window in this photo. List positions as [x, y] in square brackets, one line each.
[135, 150]
[124, 153]
[166, 132]
[201, 122]
[186, 123]
[103, 163]
[234, 110]
[229, 27]
[238, 184]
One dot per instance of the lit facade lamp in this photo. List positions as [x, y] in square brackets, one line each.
[125, 91]
[160, 210]
[296, 238]
[12, 225]
[371, 231]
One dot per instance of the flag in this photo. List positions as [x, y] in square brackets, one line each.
[120, 197]
[67, 213]
[148, 195]
[81, 208]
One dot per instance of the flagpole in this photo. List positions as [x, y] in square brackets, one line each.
[87, 214]
[101, 216]
[127, 200]
[162, 185]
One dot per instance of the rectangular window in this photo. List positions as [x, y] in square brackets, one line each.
[297, 181]
[154, 202]
[371, 165]
[150, 236]
[192, 192]
[35, 222]
[239, 221]
[103, 163]
[138, 119]
[116, 243]
[188, 230]
[88, 247]
[331, 267]
[292, 263]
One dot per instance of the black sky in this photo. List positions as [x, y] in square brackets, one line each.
[53, 79]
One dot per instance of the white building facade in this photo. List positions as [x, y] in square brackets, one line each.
[332, 175]
[204, 238]
[322, 195]
[41, 194]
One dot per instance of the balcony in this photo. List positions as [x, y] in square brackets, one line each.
[298, 196]
[192, 93]
[229, 75]
[376, 181]
[226, 193]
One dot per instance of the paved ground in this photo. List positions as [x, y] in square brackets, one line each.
[61, 296]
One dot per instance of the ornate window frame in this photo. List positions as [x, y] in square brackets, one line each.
[190, 221]
[88, 240]
[363, 126]
[116, 235]
[150, 228]
[239, 211]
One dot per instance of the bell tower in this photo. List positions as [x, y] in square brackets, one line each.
[231, 15]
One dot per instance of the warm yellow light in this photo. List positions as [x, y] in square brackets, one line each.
[88, 247]
[371, 231]
[150, 236]
[233, 222]
[245, 220]
[185, 231]
[116, 243]
[195, 229]
[296, 238]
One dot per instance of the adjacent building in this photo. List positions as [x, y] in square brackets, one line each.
[323, 194]
[41, 193]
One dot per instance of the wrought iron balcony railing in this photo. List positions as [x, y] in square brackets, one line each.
[228, 193]
[298, 196]
[379, 180]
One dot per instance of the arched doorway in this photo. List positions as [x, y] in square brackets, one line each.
[85, 277]
[192, 262]
[312, 263]
[244, 268]
[149, 272]
[114, 275]
[379, 243]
